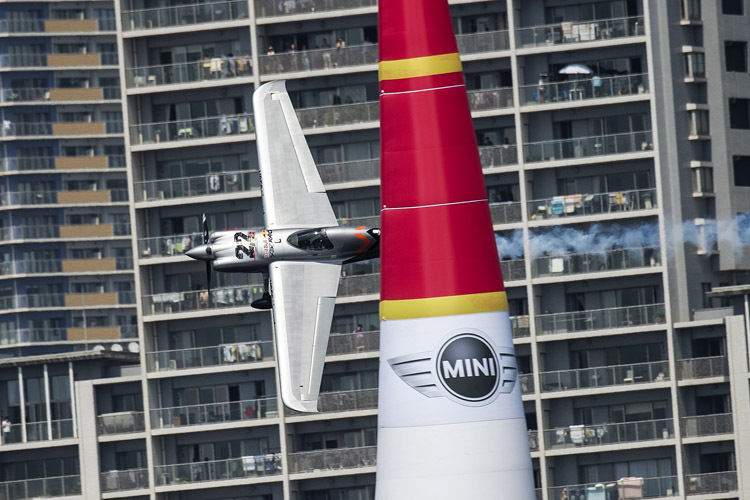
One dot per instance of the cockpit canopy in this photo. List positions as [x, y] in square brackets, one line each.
[312, 240]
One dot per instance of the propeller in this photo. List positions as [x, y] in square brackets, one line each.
[208, 262]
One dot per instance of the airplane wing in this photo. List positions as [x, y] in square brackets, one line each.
[304, 294]
[293, 194]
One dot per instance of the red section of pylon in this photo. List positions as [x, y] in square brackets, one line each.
[414, 28]
[437, 238]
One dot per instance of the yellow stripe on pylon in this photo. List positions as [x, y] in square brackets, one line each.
[443, 306]
[419, 66]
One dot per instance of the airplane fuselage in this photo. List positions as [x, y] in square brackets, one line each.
[253, 250]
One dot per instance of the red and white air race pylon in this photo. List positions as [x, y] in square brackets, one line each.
[451, 422]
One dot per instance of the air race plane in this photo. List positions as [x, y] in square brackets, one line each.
[300, 251]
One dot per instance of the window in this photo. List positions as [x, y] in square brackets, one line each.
[699, 122]
[739, 113]
[742, 171]
[703, 180]
[691, 10]
[733, 7]
[736, 56]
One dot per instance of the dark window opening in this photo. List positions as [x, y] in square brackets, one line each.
[733, 7]
[742, 171]
[739, 113]
[736, 56]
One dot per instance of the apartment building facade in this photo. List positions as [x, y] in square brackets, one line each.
[614, 145]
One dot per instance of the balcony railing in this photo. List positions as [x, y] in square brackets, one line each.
[198, 357]
[513, 270]
[611, 260]
[214, 413]
[570, 32]
[635, 487]
[200, 185]
[350, 171]
[707, 425]
[68, 300]
[331, 402]
[42, 94]
[486, 99]
[319, 59]
[520, 326]
[584, 147]
[33, 60]
[38, 335]
[72, 231]
[599, 319]
[219, 470]
[714, 366]
[183, 15]
[604, 376]
[352, 343]
[216, 68]
[576, 205]
[577, 436]
[219, 298]
[498, 156]
[19, 164]
[584, 89]
[15, 198]
[527, 383]
[39, 431]
[342, 114]
[121, 480]
[336, 459]
[272, 8]
[364, 284]
[533, 440]
[167, 246]
[120, 423]
[70, 128]
[714, 482]
[42, 487]
[505, 213]
[199, 128]
[65, 266]
[488, 41]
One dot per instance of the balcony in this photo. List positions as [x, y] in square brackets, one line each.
[38, 335]
[505, 213]
[363, 284]
[581, 205]
[489, 41]
[513, 270]
[66, 300]
[23, 164]
[207, 70]
[707, 425]
[26, 198]
[182, 302]
[34, 60]
[332, 402]
[214, 413]
[587, 147]
[39, 431]
[572, 32]
[490, 99]
[184, 15]
[578, 436]
[611, 260]
[584, 89]
[534, 446]
[123, 480]
[168, 246]
[273, 8]
[42, 487]
[342, 114]
[353, 343]
[202, 185]
[87, 231]
[200, 128]
[219, 470]
[604, 376]
[350, 171]
[527, 383]
[55, 26]
[600, 319]
[498, 156]
[120, 423]
[220, 355]
[336, 459]
[626, 487]
[45, 129]
[27, 95]
[698, 368]
[520, 327]
[66, 266]
[714, 482]
[319, 59]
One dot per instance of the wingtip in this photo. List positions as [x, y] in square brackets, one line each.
[304, 406]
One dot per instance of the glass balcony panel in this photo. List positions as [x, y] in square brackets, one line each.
[167, 246]
[498, 156]
[592, 204]
[482, 100]
[714, 366]
[219, 470]
[351, 171]
[209, 184]
[612, 260]
[214, 413]
[603, 376]
[598, 319]
[576, 436]
[201, 128]
[343, 114]
[513, 270]
[120, 423]
[352, 343]
[707, 425]
[520, 326]
[329, 402]
[645, 487]
[527, 383]
[576, 89]
[41, 487]
[570, 32]
[319, 59]
[228, 354]
[341, 458]
[217, 68]
[219, 298]
[490, 41]
[534, 442]
[505, 213]
[182, 15]
[119, 480]
[365, 284]
[272, 8]
[584, 147]
[714, 482]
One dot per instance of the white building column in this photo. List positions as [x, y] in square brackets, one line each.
[22, 400]
[47, 404]
[71, 384]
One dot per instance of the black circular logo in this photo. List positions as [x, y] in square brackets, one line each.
[467, 367]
